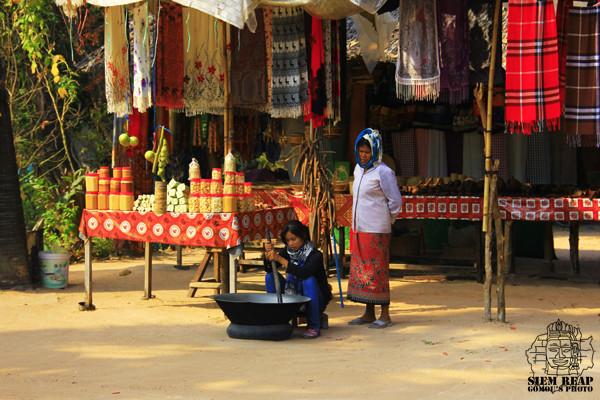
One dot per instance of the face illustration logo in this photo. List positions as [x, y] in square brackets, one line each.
[558, 358]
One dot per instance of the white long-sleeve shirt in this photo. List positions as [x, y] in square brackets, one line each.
[376, 199]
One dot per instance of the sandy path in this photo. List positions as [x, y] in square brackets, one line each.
[175, 347]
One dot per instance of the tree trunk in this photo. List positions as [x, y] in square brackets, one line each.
[14, 262]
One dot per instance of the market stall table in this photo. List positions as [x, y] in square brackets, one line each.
[466, 208]
[217, 232]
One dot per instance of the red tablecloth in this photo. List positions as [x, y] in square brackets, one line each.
[451, 207]
[210, 230]
[288, 198]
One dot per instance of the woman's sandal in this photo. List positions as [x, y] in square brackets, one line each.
[359, 321]
[311, 334]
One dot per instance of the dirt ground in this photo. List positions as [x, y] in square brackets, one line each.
[176, 347]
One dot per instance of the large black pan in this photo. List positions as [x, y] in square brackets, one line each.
[259, 308]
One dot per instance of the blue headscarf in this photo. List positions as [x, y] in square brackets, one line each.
[372, 136]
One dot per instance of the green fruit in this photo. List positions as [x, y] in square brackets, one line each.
[150, 156]
[133, 141]
[124, 139]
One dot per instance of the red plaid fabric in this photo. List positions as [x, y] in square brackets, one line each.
[532, 93]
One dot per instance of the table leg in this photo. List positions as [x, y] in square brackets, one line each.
[87, 304]
[342, 249]
[234, 253]
[148, 271]
[224, 271]
[574, 247]
[508, 247]
[548, 248]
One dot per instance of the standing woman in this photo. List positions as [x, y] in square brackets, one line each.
[376, 203]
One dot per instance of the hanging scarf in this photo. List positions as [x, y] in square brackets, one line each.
[481, 17]
[268, 23]
[290, 72]
[248, 66]
[532, 95]
[453, 31]
[334, 111]
[116, 61]
[582, 99]
[142, 68]
[327, 37]
[169, 57]
[294, 284]
[562, 18]
[315, 109]
[418, 70]
[203, 88]
[372, 136]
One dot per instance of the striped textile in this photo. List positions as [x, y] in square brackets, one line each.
[539, 154]
[562, 18]
[582, 100]
[532, 95]
[500, 151]
[564, 161]
[422, 146]
[405, 149]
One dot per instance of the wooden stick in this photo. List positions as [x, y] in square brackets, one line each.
[486, 225]
[500, 267]
[160, 144]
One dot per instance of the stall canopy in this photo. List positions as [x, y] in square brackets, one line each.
[240, 12]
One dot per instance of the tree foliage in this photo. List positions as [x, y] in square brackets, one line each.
[55, 75]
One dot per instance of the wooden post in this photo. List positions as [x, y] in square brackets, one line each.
[224, 270]
[88, 305]
[508, 247]
[148, 271]
[574, 247]
[500, 267]
[548, 248]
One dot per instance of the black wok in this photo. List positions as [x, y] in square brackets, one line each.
[259, 308]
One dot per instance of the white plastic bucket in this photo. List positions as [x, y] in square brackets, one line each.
[54, 269]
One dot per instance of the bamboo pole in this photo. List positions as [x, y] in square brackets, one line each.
[486, 225]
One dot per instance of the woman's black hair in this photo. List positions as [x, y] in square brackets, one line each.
[363, 142]
[297, 228]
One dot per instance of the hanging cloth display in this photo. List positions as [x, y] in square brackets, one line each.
[582, 101]
[453, 31]
[248, 66]
[315, 109]
[268, 23]
[539, 155]
[562, 19]
[334, 110]
[418, 69]
[169, 57]
[532, 95]
[481, 17]
[203, 87]
[116, 61]
[142, 65]
[290, 72]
